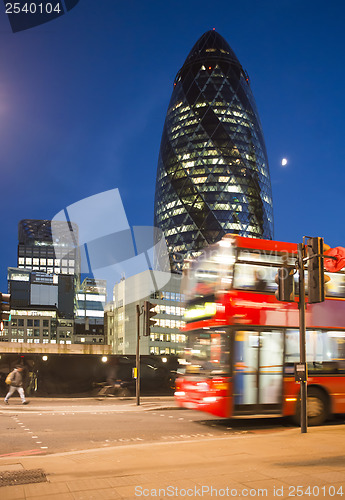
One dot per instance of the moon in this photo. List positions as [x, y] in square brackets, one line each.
[284, 162]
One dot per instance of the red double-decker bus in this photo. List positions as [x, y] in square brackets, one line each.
[242, 343]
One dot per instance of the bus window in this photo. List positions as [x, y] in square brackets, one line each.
[269, 257]
[207, 352]
[335, 287]
[253, 277]
[210, 274]
[337, 347]
[325, 349]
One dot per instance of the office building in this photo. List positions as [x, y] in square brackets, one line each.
[42, 307]
[38, 252]
[213, 175]
[89, 320]
[120, 317]
[37, 325]
[36, 288]
[42, 286]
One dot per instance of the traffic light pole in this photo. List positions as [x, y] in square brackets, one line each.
[311, 252]
[137, 358]
[301, 305]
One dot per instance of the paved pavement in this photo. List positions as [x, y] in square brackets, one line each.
[274, 465]
[84, 404]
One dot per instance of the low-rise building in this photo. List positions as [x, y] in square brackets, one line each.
[121, 316]
[37, 325]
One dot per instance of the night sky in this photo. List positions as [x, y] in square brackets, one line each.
[83, 101]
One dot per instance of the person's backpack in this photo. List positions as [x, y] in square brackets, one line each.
[8, 380]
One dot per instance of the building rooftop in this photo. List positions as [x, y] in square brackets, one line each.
[211, 45]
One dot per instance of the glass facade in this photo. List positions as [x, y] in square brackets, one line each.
[213, 175]
[38, 252]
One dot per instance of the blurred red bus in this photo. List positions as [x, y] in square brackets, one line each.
[242, 342]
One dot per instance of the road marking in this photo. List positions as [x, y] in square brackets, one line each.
[29, 452]
[188, 436]
[21, 453]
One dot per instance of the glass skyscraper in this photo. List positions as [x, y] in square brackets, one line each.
[213, 175]
[38, 252]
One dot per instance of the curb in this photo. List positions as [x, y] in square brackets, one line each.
[82, 409]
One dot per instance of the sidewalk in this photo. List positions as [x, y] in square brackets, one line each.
[84, 404]
[273, 465]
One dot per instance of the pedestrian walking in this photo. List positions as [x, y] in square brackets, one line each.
[16, 384]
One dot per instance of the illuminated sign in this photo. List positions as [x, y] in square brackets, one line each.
[200, 311]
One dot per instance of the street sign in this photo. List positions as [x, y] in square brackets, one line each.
[301, 372]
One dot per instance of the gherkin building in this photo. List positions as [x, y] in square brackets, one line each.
[213, 175]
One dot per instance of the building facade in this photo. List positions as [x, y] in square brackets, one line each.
[48, 278]
[89, 320]
[36, 288]
[38, 252]
[37, 325]
[213, 175]
[42, 286]
[121, 318]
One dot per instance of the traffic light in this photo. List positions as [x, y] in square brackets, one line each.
[286, 284]
[316, 279]
[149, 312]
[5, 306]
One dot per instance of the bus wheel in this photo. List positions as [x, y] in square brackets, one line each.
[317, 408]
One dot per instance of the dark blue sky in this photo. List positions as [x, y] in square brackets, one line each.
[83, 102]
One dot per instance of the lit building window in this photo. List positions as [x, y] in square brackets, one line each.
[215, 145]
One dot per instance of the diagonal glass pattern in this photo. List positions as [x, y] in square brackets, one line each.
[213, 175]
